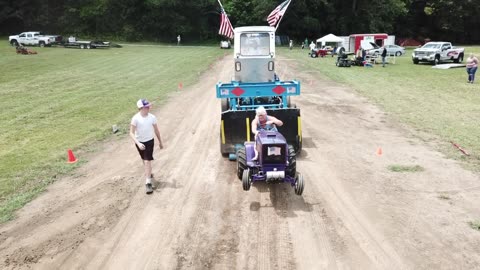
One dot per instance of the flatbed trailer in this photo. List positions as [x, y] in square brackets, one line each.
[87, 44]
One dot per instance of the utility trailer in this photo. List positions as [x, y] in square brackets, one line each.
[83, 44]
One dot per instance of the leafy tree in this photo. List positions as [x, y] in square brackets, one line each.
[163, 20]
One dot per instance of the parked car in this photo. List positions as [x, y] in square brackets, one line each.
[391, 50]
[395, 50]
[225, 44]
[375, 50]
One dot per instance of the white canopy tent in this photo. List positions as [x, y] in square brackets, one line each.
[329, 38]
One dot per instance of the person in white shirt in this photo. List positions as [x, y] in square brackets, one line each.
[143, 127]
[312, 46]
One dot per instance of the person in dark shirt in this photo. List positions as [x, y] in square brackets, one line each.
[384, 56]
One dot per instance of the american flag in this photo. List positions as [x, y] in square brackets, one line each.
[277, 13]
[226, 28]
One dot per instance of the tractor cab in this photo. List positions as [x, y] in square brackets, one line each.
[254, 54]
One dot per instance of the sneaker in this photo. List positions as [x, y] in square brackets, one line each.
[149, 188]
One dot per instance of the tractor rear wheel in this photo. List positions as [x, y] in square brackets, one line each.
[290, 104]
[298, 145]
[241, 162]
[299, 184]
[223, 150]
[292, 162]
[246, 182]
[225, 104]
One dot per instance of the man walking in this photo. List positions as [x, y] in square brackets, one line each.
[143, 127]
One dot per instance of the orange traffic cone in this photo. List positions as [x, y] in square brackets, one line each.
[71, 157]
[180, 86]
[379, 151]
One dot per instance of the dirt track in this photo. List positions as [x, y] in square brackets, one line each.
[354, 213]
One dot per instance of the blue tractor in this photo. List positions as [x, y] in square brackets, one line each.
[255, 84]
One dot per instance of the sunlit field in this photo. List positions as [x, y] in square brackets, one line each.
[438, 105]
[64, 99]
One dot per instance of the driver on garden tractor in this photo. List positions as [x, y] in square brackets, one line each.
[263, 122]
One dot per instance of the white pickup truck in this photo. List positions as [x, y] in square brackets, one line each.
[31, 38]
[437, 52]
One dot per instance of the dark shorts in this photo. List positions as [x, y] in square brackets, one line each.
[146, 154]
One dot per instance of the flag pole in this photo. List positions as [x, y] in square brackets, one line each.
[282, 16]
[221, 5]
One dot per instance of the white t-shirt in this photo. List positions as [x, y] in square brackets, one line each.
[144, 132]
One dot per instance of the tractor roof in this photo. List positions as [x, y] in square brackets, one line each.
[254, 29]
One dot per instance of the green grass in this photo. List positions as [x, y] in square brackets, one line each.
[438, 104]
[65, 99]
[406, 168]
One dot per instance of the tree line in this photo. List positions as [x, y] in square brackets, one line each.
[198, 20]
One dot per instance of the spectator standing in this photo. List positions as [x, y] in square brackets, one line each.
[472, 65]
[358, 54]
[312, 46]
[179, 38]
[290, 44]
[384, 55]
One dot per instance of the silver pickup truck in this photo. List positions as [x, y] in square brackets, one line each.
[437, 52]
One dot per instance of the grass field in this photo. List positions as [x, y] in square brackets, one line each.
[438, 104]
[65, 99]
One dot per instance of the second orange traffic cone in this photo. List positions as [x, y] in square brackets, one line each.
[379, 151]
[71, 157]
